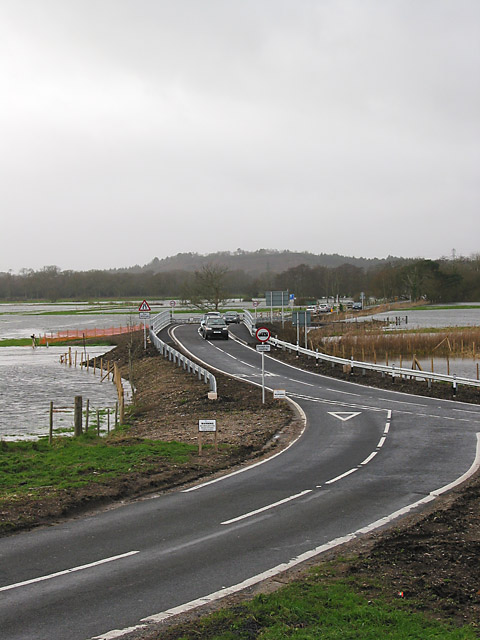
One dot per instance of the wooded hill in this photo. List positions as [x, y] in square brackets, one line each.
[255, 263]
[443, 280]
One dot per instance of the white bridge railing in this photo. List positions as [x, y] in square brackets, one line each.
[249, 322]
[391, 370]
[163, 320]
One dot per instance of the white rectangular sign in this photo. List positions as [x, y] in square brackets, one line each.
[207, 425]
[279, 394]
[262, 347]
[144, 315]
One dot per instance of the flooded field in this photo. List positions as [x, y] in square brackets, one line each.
[437, 318]
[31, 378]
[21, 321]
[460, 367]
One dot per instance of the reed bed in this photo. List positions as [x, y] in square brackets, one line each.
[370, 342]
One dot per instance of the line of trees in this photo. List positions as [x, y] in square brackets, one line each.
[444, 280]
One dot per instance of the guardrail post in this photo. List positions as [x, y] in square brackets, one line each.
[454, 385]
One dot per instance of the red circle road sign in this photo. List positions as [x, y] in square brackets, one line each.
[262, 334]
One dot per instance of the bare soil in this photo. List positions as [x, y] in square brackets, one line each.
[430, 560]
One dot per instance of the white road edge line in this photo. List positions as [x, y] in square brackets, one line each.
[267, 507]
[270, 573]
[367, 460]
[344, 475]
[67, 571]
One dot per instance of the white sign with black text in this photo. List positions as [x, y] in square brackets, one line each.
[207, 425]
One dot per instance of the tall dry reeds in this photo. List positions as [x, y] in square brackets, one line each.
[369, 342]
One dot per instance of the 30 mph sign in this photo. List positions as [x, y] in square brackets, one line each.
[262, 334]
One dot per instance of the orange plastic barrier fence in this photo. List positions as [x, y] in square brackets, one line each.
[76, 334]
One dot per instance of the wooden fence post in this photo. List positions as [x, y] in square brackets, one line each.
[77, 420]
[117, 378]
[50, 430]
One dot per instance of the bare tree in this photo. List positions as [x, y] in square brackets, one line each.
[208, 287]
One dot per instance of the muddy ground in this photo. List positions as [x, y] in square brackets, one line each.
[431, 561]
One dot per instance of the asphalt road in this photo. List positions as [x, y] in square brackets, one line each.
[366, 456]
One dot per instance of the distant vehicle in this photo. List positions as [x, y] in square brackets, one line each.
[357, 306]
[324, 308]
[210, 314]
[214, 327]
[231, 317]
[312, 309]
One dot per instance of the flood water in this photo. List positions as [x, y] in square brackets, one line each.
[437, 318]
[31, 378]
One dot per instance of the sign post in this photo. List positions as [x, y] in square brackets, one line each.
[276, 299]
[263, 335]
[144, 314]
[206, 426]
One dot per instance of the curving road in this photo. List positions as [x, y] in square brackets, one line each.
[366, 457]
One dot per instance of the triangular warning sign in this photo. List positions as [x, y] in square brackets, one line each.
[344, 415]
[144, 306]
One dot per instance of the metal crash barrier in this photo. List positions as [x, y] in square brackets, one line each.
[161, 321]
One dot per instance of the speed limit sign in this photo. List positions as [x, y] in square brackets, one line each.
[262, 334]
[172, 303]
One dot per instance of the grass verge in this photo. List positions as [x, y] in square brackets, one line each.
[318, 606]
[71, 463]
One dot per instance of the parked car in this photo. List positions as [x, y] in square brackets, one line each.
[324, 308]
[231, 317]
[214, 327]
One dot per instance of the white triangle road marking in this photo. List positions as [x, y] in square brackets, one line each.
[344, 415]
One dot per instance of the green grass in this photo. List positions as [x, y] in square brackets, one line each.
[15, 342]
[313, 609]
[434, 307]
[70, 463]
[27, 342]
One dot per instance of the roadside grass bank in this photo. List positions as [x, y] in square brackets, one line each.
[156, 450]
[29, 466]
[321, 605]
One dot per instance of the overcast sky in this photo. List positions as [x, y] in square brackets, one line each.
[131, 129]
